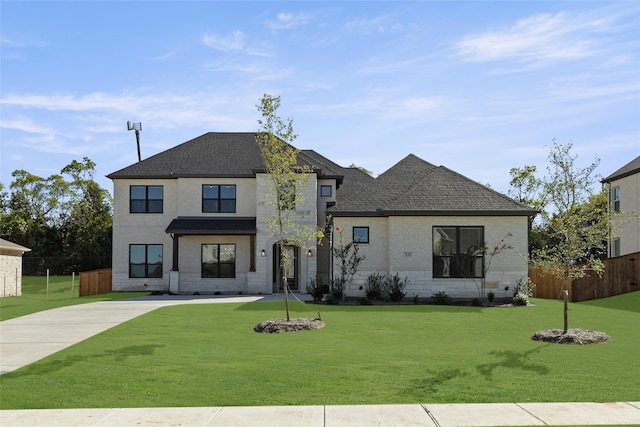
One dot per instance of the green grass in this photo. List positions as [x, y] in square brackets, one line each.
[208, 355]
[34, 296]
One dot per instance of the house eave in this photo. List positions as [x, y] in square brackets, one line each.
[381, 213]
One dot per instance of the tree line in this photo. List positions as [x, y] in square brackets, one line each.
[65, 219]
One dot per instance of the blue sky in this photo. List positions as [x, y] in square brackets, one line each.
[479, 87]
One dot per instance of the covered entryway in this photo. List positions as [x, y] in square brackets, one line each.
[290, 270]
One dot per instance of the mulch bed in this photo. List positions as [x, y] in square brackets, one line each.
[573, 336]
[276, 326]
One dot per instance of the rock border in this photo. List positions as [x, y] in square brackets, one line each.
[277, 326]
[573, 336]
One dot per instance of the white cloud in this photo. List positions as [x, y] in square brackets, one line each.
[538, 38]
[234, 41]
[287, 21]
[24, 124]
[378, 24]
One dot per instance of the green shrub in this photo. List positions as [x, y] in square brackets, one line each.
[365, 301]
[491, 296]
[317, 288]
[394, 286]
[338, 286]
[524, 291]
[374, 286]
[441, 298]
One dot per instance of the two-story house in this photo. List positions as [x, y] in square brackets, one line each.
[623, 188]
[192, 220]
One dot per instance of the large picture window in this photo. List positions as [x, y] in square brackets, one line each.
[218, 260]
[458, 252]
[145, 199]
[145, 261]
[218, 198]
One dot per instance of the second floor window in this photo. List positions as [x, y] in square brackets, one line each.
[145, 199]
[288, 195]
[616, 199]
[218, 198]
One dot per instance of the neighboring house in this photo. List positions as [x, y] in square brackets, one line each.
[191, 220]
[11, 268]
[623, 188]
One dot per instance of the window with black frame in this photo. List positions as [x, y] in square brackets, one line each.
[218, 198]
[145, 199]
[616, 199]
[458, 251]
[145, 261]
[288, 195]
[218, 260]
[361, 234]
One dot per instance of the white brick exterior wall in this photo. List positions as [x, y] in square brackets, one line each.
[398, 245]
[403, 245]
[10, 273]
[626, 226]
[183, 197]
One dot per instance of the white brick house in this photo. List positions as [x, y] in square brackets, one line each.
[191, 220]
[623, 188]
[11, 268]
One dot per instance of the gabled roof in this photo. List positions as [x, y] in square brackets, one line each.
[416, 187]
[216, 155]
[630, 168]
[10, 246]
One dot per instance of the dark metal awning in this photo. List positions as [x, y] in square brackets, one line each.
[209, 226]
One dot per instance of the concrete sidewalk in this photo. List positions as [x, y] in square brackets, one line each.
[27, 339]
[494, 414]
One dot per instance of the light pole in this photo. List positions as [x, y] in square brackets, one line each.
[137, 127]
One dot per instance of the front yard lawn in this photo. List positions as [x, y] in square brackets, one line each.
[209, 355]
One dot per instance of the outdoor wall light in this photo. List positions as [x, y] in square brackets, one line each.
[263, 253]
[309, 253]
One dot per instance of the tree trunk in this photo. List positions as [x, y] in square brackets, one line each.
[566, 300]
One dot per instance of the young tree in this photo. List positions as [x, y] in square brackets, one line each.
[288, 179]
[578, 233]
[349, 258]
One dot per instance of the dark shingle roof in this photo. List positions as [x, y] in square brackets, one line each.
[411, 187]
[416, 187]
[629, 169]
[216, 154]
[211, 226]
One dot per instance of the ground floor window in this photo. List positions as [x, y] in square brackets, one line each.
[145, 261]
[218, 260]
[458, 251]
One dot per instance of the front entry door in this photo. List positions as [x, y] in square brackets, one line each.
[290, 266]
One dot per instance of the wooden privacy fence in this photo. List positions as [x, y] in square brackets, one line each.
[621, 275]
[95, 282]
